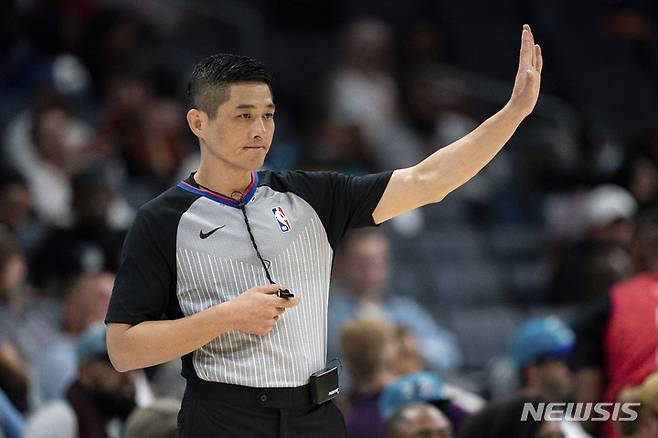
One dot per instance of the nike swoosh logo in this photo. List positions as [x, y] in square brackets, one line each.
[206, 235]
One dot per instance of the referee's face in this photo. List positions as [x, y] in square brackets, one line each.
[241, 133]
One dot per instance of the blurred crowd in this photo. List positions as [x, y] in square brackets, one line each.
[534, 283]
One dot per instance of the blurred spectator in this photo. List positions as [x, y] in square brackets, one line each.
[603, 214]
[609, 211]
[502, 420]
[646, 425]
[99, 395]
[84, 304]
[91, 244]
[373, 350]
[401, 125]
[28, 324]
[363, 92]
[407, 357]
[15, 206]
[14, 200]
[610, 354]
[47, 145]
[639, 173]
[418, 420]
[145, 132]
[630, 394]
[368, 347]
[424, 387]
[583, 270]
[361, 276]
[539, 350]
[645, 402]
[643, 182]
[158, 420]
[436, 109]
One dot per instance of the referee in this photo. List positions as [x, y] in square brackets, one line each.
[204, 263]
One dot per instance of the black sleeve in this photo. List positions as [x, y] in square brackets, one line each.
[341, 201]
[145, 277]
[590, 331]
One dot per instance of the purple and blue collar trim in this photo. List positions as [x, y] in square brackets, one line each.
[192, 187]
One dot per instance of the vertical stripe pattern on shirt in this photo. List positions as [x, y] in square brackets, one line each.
[296, 347]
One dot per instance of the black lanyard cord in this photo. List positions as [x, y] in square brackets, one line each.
[241, 206]
[283, 293]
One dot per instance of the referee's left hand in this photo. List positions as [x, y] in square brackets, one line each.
[528, 75]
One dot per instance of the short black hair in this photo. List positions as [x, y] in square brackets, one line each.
[210, 80]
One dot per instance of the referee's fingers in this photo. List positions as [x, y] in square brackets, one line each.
[269, 288]
[287, 302]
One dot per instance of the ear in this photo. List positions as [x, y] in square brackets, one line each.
[197, 121]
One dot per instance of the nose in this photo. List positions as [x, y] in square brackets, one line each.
[258, 127]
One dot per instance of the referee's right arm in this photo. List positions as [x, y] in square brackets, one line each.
[154, 342]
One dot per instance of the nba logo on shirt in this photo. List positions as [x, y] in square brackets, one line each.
[281, 219]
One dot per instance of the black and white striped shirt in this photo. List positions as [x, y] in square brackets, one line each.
[189, 249]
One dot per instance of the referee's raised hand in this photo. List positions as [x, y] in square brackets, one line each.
[256, 310]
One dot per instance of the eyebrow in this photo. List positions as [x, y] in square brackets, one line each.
[250, 106]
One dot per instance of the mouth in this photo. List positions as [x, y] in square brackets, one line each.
[255, 147]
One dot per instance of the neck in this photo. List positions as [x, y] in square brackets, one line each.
[226, 181]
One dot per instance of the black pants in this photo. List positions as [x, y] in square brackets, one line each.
[221, 410]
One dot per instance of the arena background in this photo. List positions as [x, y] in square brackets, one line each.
[503, 248]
